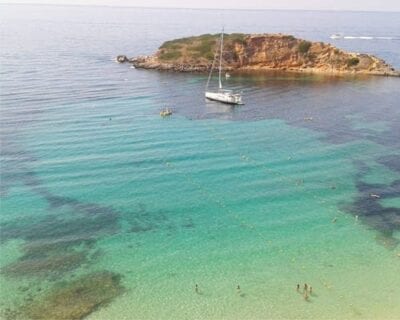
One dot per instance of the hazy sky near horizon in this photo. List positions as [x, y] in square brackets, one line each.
[356, 5]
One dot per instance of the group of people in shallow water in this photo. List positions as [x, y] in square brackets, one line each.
[307, 290]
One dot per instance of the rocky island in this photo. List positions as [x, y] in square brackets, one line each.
[259, 52]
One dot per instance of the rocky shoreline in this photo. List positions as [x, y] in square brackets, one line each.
[257, 52]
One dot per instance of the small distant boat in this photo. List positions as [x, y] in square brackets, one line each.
[336, 36]
[227, 75]
[222, 95]
[165, 112]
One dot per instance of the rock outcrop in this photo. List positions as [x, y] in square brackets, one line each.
[261, 52]
[122, 59]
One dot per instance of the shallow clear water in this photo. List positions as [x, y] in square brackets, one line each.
[299, 185]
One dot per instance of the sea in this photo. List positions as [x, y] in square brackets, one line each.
[109, 211]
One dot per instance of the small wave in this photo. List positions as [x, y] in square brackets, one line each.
[388, 38]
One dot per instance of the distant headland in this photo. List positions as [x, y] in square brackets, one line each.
[244, 52]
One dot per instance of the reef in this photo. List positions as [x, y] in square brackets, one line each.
[57, 245]
[76, 299]
[46, 265]
[367, 205]
[66, 231]
[54, 245]
[254, 52]
[391, 161]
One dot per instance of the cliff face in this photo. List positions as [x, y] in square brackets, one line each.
[261, 52]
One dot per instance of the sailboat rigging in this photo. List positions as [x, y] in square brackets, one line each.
[221, 95]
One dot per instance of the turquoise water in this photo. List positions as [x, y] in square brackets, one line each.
[299, 185]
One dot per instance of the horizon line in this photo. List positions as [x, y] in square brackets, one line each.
[187, 8]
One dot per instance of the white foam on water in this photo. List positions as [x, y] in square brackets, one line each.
[341, 36]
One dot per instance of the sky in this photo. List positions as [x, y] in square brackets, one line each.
[353, 5]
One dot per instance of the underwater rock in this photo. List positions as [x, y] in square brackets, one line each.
[52, 228]
[387, 240]
[367, 206]
[45, 265]
[122, 58]
[9, 314]
[76, 299]
[137, 228]
[44, 247]
[188, 224]
[144, 220]
[392, 162]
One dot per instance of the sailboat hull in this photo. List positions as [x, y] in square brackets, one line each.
[225, 97]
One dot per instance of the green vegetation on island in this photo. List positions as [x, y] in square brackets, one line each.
[304, 46]
[200, 47]
[353, 61]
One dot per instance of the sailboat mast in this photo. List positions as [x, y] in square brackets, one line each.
[220, 58]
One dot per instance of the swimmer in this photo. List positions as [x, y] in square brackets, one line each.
[238, 289]
[310, 290]
[298, 287]
[334, 220]
[356, 217]
[196, 288]
[305, 287]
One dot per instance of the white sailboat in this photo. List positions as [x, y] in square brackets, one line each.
[222, 95]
